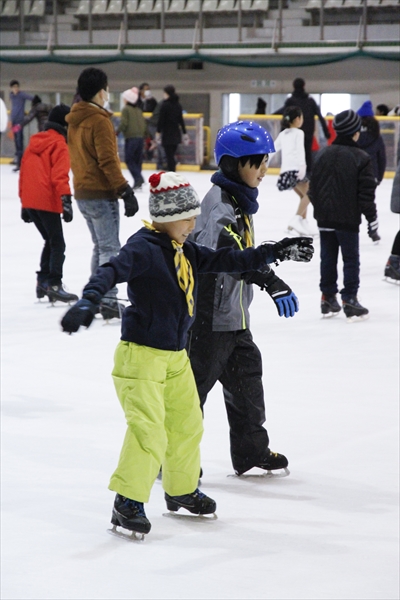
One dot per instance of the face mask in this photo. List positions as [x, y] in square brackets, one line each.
[147, 93]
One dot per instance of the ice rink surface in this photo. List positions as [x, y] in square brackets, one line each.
[328, 531]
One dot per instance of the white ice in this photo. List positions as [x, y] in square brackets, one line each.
[328, 531]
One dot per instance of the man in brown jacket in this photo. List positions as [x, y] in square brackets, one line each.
[97, 175]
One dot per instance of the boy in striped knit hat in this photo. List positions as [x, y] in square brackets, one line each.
[152, 373]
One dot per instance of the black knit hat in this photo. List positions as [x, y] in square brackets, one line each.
[58, 114]
[347, 122]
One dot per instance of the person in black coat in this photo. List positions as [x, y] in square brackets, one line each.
[39, 111]
[342, 189]
[310, 109]
[170, 125]
[371, 140]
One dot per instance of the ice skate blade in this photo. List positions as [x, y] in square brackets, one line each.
[391, 280]
[355, 319]
[330, 315]
[132, 536]
[264, 475]
[190, 516]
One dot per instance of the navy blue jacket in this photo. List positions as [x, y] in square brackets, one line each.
[158, 314]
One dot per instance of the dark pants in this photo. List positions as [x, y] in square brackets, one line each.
[19, 146]
[348, 243]
[53, 254]
[233, 359]
[134, 159]
[170, 150]
[396, 245]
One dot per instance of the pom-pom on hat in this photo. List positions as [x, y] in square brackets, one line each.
[347, 122]
[366, 110]
[58, 114]
[131, 95]
[172, 198]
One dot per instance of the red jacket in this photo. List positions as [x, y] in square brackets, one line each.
[44, 175]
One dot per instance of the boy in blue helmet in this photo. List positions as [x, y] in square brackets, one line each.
[220, 346]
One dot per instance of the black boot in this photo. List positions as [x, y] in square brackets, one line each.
[196, 503]
[111, 310]
[41, 289]
[130, 515]
[57, 292]
[273, 461]
[329, 305]
[353, 309]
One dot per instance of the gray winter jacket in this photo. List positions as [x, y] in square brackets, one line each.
[395, 197]
[223, 300]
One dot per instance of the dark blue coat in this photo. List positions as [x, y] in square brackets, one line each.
[158, 314]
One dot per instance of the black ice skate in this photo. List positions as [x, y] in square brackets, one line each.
[41, 289]
[273, 461]
[196, 503]
[111, 310]
[329, 306]
[130, 515]
[354, 311]
[58, 293]
[392, 269]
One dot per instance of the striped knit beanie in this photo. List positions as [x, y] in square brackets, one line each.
[172, 198]
[347, 122]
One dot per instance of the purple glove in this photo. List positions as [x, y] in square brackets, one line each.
[16, 128]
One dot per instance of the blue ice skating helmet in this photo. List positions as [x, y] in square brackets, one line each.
[242, 138]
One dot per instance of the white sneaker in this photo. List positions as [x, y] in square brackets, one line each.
[298, 226]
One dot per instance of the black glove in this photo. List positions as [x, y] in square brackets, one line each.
[81, 313]
[285, 300]
[298, 248]
[130, 201]
[67, 208]
[25, 215]
[373, 230]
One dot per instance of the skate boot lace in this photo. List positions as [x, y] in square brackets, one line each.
[135, 506]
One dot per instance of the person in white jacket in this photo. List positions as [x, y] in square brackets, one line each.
[3, 117]
[290, 142]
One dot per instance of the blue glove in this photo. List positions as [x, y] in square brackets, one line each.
[285, 300]
[81, 313]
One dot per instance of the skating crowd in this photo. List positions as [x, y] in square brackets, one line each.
[190, 270]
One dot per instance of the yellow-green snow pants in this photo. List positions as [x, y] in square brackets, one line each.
[158, 394]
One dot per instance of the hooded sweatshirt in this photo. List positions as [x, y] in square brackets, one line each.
[93, 150]
[44, 175]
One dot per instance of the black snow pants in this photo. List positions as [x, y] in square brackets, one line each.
[233, 359]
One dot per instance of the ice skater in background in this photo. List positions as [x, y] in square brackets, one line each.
[45, 195]
[221, 346]
[152, 372]
[342, 189]
[290, 142]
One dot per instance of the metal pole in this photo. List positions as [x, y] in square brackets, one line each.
[55, 22]
[162, 22]
[201, 21]
[22, 24]
[280, 21]
[126, 22]
[365, 15]
[321, 20]
[240, 39]
[90, 23]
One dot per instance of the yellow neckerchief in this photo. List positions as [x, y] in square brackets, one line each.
[184, 274]
[183, 270]
[248, 229]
